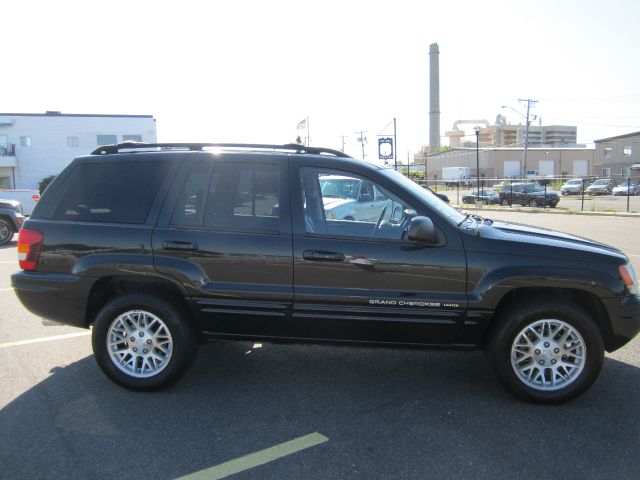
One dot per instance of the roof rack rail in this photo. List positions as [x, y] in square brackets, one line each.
[109, 149]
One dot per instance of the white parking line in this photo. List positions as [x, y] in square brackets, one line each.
[256, 459]
[44, 339]
[5, 289]
[13, 261]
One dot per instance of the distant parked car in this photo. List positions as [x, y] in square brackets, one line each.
[632, 188]
[603, 186]
[441, 196]
[573, 186]
[487, 196]
[531, 194]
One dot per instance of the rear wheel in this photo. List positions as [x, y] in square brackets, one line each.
[505, 202]
[546, 351]
[6, 232]
[142, 342]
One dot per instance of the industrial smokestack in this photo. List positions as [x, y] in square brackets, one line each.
[434, 97]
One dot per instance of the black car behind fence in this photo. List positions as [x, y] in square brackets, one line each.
[535, 191]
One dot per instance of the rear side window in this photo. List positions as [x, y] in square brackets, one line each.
[118, 192]
[236, 196]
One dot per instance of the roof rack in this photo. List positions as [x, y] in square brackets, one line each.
[289, 147]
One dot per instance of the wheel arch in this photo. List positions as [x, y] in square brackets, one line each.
[108, 288]
[587, 301]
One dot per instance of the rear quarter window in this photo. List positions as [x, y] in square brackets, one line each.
[111, 192]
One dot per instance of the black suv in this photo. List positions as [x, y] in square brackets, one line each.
[161, 247]
[531, 194]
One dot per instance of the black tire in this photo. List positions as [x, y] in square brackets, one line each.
[511, 325]
[505, 202]
[6, 232]
[183, 340]
[533, 203]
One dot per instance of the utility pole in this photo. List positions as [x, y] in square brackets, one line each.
[342, 137]
[526, 134]
[363, 140]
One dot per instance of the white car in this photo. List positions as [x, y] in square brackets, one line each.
[349, 198]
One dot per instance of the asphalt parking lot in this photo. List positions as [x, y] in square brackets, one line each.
[308, 412]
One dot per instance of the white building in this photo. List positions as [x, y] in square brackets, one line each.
[36, 145]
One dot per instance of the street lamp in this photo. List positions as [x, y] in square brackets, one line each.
[477, 130]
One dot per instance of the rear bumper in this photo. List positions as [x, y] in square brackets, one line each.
[625, 320]
[58, 297]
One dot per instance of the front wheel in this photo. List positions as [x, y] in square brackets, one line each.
[546, 351]
[505, 202]
[143, 342]
[533, 203]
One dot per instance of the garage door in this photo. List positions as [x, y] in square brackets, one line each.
[511, 168]
[580, 168]
[547, 168]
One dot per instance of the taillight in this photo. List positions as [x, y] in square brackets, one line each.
[29, 248]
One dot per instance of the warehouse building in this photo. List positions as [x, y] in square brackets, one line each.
[34, 146]
[508, 162]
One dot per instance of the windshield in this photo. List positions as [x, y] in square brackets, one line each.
[426, 196]
[601, 182]
[533, 187]
[574, 182]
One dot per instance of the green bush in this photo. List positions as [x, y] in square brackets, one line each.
[44, 183]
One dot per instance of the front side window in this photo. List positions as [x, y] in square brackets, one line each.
[345, 204]
[232, 196]
[111, 192]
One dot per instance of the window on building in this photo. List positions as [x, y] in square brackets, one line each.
[25, 141]
[107, 140]
[625, 171]
[72, 141]
[606, 172]
[607, 152]
[626, 150]
[132, 138]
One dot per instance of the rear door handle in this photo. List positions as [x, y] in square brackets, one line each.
[323, 256]
[174, 245]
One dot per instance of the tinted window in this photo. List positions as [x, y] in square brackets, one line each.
[231, 196]
[119, 192]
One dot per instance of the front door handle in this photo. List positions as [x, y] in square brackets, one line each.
[323, 256]
[175, 245]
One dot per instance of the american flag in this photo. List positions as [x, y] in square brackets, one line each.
[302, 125]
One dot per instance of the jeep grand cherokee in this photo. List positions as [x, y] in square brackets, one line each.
[160, 247]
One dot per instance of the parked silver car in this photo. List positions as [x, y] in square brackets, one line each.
[573, 186]
[631, 188]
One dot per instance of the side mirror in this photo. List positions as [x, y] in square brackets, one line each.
[422, 229]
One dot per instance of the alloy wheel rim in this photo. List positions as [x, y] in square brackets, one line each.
[548, 355]
[139, 344]
[4, 231]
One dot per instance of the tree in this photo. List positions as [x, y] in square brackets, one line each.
[44, 183]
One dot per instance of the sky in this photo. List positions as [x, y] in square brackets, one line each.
[250, 71]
